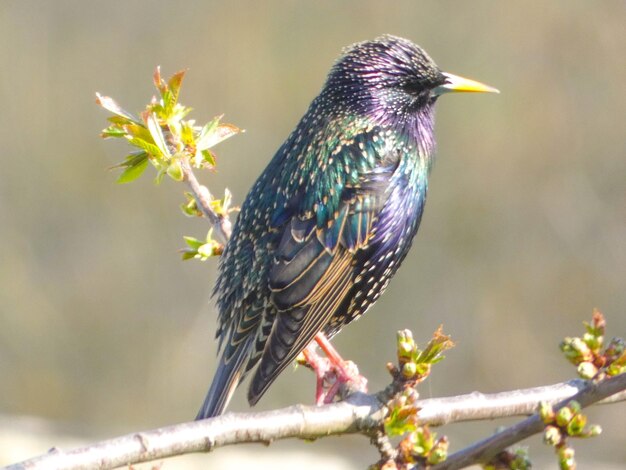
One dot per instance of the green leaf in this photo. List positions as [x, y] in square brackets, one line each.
[119, 120]
[157, 134]
[193, 242]
[147, 146]
[138, 130]
[176, 144]
[133, 172]
[178, 112]
[205, 133]
[160, 174]
[206, 251]
[396, 426]
[109, 104]
[189, 255]
[156, 107]
[208, 158]
[175, 171]
[217, 135]
[168, 102]
[175, 83]
[187, 132]
[190, 207]
[133, 158]
[113, 131]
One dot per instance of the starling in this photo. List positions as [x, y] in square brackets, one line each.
[332, 217]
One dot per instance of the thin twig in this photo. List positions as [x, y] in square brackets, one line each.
[360, 413]
[380, 440]
[221, 224]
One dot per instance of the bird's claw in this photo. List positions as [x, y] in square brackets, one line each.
[333, 379]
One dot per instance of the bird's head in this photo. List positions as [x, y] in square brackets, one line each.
[390, 78]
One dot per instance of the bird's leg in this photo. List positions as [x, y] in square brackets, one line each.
[346, 372]
[333, 356]
[321, 367]
[332, 372]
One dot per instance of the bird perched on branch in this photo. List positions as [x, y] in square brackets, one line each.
[332, 217]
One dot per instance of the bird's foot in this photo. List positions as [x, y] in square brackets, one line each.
[344, 379]
[335, 376]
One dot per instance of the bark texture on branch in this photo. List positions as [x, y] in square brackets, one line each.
[485, 450]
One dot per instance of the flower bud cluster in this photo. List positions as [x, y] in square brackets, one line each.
[565, 422]
[423, 447]
[587, 355]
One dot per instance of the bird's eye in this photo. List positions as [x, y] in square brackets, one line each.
[412, 87]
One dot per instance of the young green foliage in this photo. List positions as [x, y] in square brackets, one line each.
[419, 445]
[402, 416]
[586, 352]
[162, 135]
[414, 364]
[514, 459]
[593, 363]
[423, 447]
[566, 422]
[201, 249]
[172, 145]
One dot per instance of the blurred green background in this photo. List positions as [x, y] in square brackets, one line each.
[104, 330]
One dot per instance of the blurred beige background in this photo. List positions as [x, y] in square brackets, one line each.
[104, 330]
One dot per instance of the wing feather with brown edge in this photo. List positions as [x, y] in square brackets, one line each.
[313, 273]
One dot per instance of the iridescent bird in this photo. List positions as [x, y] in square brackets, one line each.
[332, 217]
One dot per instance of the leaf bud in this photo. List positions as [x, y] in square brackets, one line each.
[587, 370]
[552, 436]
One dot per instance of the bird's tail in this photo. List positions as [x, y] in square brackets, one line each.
[225, 381]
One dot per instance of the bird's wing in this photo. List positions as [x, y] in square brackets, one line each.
[313, 271]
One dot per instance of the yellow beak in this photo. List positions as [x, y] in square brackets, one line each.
[454, 83]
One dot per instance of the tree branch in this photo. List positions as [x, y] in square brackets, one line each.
[485, 450]
[359, 413]
[478, 406]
